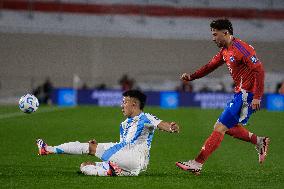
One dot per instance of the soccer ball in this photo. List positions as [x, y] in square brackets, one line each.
[28, 103]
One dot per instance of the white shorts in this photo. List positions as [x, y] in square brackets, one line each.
[132, 159]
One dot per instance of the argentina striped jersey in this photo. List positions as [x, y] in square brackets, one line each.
[135, 131]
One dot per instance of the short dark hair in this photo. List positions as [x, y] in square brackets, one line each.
[222, 24]
[141, 97]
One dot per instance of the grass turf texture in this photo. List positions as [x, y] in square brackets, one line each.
[233, 165]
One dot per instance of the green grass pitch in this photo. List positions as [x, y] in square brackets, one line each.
[233, 165]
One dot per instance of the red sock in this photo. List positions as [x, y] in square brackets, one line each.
[210, 145]
[243, 134]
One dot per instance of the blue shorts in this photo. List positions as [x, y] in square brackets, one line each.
[238, 110]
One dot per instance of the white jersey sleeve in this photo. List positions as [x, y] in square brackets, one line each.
[153, 120]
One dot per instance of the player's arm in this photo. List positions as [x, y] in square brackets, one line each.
[258, 73]
[162, 125]
[215, 62]
[258, 86]
[171, 127]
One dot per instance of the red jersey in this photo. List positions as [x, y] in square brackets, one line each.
[245, 68]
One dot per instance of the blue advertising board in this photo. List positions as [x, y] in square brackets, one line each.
[165, 99]
[169, 99]
[66, 97]
[275, 102]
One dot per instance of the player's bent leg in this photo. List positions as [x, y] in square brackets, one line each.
[104, 169]
[96, 169]
[124, 161]
[128, 162]
[261, 143]
[240, 132]
[132, 160]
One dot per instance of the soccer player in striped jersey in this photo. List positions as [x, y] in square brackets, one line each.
[131, 154]
[248, 75]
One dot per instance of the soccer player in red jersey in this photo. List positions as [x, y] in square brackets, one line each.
[248, 75]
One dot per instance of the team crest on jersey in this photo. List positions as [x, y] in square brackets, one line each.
[254, 59]
[232, 59]
[135, 120]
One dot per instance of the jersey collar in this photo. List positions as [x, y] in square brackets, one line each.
[135, 117]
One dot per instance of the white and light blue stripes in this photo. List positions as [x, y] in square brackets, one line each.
[137, 130]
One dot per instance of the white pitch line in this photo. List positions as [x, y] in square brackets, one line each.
[18, 114]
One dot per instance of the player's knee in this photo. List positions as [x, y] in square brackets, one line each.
[87, 169]
[93, 141]
[92, 148]
[219, 127]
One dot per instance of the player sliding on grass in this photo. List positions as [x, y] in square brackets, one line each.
[248, 75]
[131, 154]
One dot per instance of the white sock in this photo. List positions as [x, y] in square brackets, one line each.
[100, 169]
[50, 149]
[70, 148]
[259, 140]
[197, 164]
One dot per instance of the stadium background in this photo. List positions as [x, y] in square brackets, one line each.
[79, 43]
[150, 41]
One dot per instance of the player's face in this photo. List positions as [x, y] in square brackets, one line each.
[127, 106]
[219, 37]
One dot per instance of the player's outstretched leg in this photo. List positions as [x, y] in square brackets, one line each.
[210, 145]
[100, 169]
[66, 148]
[261, 143]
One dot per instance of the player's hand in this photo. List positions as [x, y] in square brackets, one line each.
[255, 104]
[174, 128]
[93, 141]
[185, 77]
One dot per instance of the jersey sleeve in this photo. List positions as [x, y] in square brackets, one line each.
[257, 68]
[154, 121]
[215, 62]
